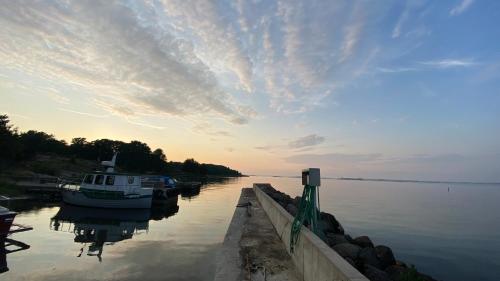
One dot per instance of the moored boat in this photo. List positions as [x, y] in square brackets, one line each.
[108, 190]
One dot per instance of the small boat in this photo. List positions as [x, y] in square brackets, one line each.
[6, 220]
[108, 190]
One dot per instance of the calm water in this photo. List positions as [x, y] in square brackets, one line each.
[451, 235]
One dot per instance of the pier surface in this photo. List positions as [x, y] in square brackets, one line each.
[252, 250]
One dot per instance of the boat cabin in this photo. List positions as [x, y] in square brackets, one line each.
[106, 179]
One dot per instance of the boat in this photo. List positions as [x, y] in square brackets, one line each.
[6, 220]
[108, 190]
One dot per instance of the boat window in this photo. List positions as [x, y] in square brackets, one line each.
[110, 180]
[130, 180]
[89, 179]
[99, 179]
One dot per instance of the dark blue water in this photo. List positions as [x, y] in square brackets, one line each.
[449, 235]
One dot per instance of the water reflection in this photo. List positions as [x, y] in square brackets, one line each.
[8, 246]
[95, 228]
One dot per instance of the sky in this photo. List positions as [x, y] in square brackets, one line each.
[386, 89]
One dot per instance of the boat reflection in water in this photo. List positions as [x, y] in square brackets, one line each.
[94, 227]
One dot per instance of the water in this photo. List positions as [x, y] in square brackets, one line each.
[449, 235]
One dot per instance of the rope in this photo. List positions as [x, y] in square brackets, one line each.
[307, 211]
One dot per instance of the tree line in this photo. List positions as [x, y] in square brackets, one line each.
[134, 156]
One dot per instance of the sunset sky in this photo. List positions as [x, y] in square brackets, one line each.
[394, 89]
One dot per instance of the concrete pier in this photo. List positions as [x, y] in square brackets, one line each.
[252, 250]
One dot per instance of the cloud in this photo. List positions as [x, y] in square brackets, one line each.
[83, 113]
[396, 70]
[460, 8]
[307, 141]
[351, 38]
[133, 55]
[396, 31]
[448, 63]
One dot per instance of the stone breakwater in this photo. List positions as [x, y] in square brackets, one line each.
[377, 263]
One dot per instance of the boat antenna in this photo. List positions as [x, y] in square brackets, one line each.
[110, 165]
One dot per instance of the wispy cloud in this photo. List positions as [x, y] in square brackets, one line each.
[83, 113]
[351, 38]
[144, 57]
[447, 63]
[461, 7]
[396, 31]
[396, 69]
[306, 141]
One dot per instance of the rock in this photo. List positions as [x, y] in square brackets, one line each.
[363, 241]
[425, 277]
[347, 250]
[375, 274]
[400, 263]
[328, 223]
[369, 256]
[296, 201]
[385, 255]
[282, 198]
[349, 238]
[292, 209]
[396, 271]
[334, 239]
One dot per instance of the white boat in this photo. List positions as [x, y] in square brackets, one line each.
[108, 190]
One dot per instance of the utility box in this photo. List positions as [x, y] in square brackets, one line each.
[311, 176]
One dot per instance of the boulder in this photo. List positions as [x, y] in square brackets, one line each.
[328, 223]
[349, 238]
[347, 250]
[296, 201]
[375, 274]
[396, 272]
[292, 209]
[282, 198]
[368, 256]
[334, 239]
[385, 255]
[363, 241]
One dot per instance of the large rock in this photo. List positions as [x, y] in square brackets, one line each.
[399, 272]
[385, 255]
[296, 201]
[282, 198]
[396, 271]
[328, 223]
[347, 250]
[375, 274]
[368, 256]
[292, 209]
[334, 239]
[363, 241]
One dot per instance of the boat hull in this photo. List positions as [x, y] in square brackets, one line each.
[75, 197]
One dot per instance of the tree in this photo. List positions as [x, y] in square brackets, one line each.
[9, 145]
[159, 153]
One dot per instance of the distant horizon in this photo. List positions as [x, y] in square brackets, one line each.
[381, 179]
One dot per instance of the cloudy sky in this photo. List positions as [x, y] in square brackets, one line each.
[396, 89]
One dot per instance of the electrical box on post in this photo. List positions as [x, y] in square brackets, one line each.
[311, 176]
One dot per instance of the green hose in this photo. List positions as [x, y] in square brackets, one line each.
[307, 211]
